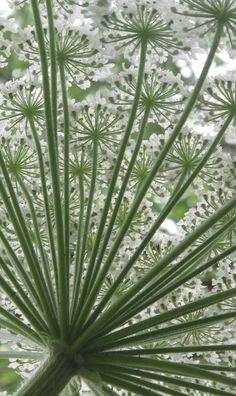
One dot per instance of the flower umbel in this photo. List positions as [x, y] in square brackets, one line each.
[144, 24]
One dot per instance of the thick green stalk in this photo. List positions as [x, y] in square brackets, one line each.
[62, 272]
[117, 164]
[66, 181]
[139, 197]
[53, 65]
[75, 306]
[45, 197]
[51, 377]
[164, 213]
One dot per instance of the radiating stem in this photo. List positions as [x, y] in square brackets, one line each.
[62, 272]
[177, 194]
[86, 229]
[45, 197]
[53, 65]
[139, 197]
[118, 163]
[44, 259]
[66, 181]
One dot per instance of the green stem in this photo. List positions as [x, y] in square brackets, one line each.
[45, 197]
[172, 314]
[114, 212]
[43, 256]
[121, 194]
[142, 192]
[164, 213]
[128, 385]
[117, 165]
[63, 312]
[50, 378]
[26, 280]
[25, 301]
[12, 323]
[78, 264]
[160, 366]
[156, 335]
[182, 349]
[133, 384]
[164, 379]
[28, 249]
[53, 65]
[85, 232]
[66, 181]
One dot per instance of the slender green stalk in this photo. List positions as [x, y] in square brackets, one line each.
[66, 181]
[78, 262]
[121, 193]
[35, 321]
[30, 255]
[142, 387]
[164, 379]
[156, 335]
[177, 193]
[167, 316]
[43, 256]
[21, 355]
[150, 177]
[161, 290]
[85, 230]
[182, 349]
[26, 280]
[12, 323]
[128, 385]
[159, 366]
[45, 197]
[115, 211]
[18, 288]
[118, 163]
[53, 65]
[62, 271]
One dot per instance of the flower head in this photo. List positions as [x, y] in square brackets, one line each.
[21, 103]
[211, 13]
[160, 97]
[142, 24]
[220, 100]
[97, 124]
